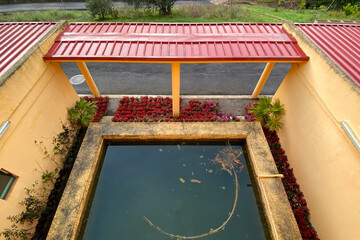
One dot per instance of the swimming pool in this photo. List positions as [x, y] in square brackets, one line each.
[73, 210]
[181, 190]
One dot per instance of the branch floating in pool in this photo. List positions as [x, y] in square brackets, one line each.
[228, 159]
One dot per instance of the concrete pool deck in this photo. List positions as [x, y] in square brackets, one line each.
[71, 210]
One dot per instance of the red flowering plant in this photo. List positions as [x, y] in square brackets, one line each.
[101, 104]
[158, 109]
[292, 188]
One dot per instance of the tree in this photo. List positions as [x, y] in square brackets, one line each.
[99, 8]
[330, 4]
[163, 6]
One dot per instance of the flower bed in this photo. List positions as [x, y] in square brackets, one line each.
[149, 109]
[101, 104]
[294, 194]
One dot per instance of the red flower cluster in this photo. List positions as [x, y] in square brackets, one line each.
[101, 104]
[294, 194]
[149, 109]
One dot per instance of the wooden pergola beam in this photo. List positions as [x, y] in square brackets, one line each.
[90, 81]
[264, 76]
[175, 84]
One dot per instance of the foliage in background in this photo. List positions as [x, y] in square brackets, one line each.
[330, 4]
[99, 8]
[289, 4]
[81, 114]
[188, 13]
[46, 16]
[351, 9]
[267, 113]
[162, 6]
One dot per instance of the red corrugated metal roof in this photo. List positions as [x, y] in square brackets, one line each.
[17, 38]
[340, 42]
[184, 42]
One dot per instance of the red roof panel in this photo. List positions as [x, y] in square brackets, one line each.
[340, 42]
[17, 38]
[184, 42]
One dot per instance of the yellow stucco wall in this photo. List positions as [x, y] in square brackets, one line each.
[327, 166]
[34, 98]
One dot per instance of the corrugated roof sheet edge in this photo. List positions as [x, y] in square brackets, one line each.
[281, 51]
[16, 63]
[351, 70]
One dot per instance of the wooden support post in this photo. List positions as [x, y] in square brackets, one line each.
[175, 79]
[85, 71]
[263, 78]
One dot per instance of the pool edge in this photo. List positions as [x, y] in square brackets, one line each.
[70, 212]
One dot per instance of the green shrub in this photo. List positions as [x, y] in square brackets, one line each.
[350, 9]
[163, 6]
[100, 8]
[302, 4]
[82, 113]
[268, 114]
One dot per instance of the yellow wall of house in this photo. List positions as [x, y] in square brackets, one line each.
[34, 98]
[326, 163]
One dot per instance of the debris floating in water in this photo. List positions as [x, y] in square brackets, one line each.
[192, 173]
[210, 170]
[228, 158]
[201, 156]
[223, 188]
[160, 149]
[182, 180]
[184, 165]
[179, 147]
[195, 181]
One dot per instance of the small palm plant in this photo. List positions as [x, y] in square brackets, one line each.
[268, 114]
[82, 113]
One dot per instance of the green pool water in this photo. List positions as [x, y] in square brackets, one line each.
[177, 187]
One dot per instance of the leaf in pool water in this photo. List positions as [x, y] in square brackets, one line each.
[201, 156]
[160, 149]
[223, 188]
[184, 165]
[210, 170]
[192, 173]
[182, 180]
[195, 181]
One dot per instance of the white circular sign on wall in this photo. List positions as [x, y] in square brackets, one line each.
[77, 79]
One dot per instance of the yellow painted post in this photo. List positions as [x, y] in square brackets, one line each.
[85, 71]
[264, 76]
[175, 79]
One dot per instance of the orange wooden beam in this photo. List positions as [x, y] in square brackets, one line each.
[175, 80]
[90, 81]
[264, 76]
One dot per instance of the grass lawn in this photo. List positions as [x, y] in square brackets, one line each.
[212, 13]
